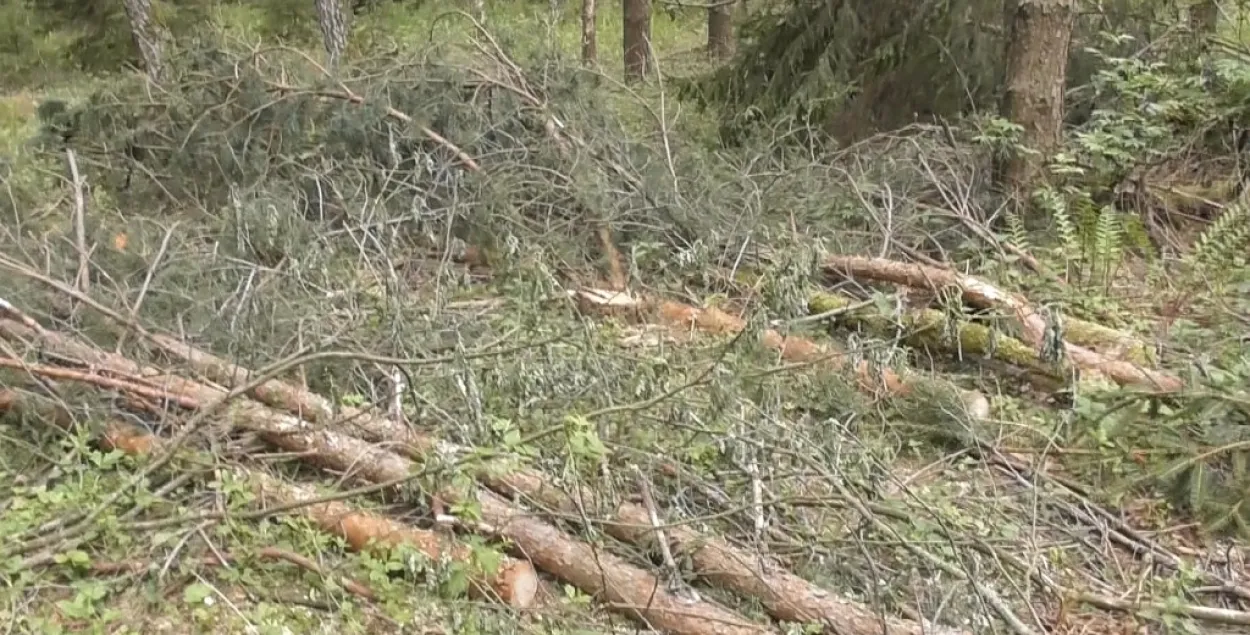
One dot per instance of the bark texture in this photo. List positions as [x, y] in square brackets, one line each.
[1037, 67]
[148, 37]
[620, 585]
[333, 23]
[785, 595]
[637, 39]
[1204, 17]
[514, 583]
[983, 295]
[590, 33]
[685, 318]
[720, 30]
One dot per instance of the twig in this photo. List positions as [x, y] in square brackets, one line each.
[143, 290]
[124, 384]
[83, 280]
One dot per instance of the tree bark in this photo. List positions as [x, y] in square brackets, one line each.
[515, 582]
[983, 295]
[785, 595]
[590, 39]
[333, 23]
[720, 30]
[637, 39]
[622, 586]
[1037, 67]
[1204, 16]
[148, 36]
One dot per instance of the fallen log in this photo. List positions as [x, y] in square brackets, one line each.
[318, 446]
[791, 348]
[786, 596]
[984, 295]
[923, 328]
[624, 587]
[515, 583]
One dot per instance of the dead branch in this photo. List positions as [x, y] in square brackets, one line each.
[985, 295]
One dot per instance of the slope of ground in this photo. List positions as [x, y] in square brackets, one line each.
[503, 324]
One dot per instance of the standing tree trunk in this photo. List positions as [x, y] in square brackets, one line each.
[637, 38]
[333, 28]
[1204, 15]
[720, 30]
[148, 36]
[590, 38]
[1037, 68]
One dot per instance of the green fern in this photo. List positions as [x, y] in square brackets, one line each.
[1223, 242]
[1054, 203]
[1017, 235]
[1108, 243]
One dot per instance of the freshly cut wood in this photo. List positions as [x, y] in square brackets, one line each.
[791, 348]
[984, 295]
[626, 588]
[786, 596]
[620, 585]
[329, 450]
[515, 583]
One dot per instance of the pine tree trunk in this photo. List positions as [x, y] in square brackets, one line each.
[1037, 67]
[590, 39]
[1204, 16]
[333, 25]
[637, 39]
[720, 30]
[148, 36]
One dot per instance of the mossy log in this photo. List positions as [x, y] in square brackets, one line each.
[925, 328]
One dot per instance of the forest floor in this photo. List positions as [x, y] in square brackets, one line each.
[485, 309]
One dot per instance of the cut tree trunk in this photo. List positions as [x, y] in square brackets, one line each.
[1037, 68]
[590, 33]
[711, 320]
[624, 587]
[983, 295]
[148, 36]
[720, 30]
[514, 583]
[333, 23]
[785, 595]
[637, 39]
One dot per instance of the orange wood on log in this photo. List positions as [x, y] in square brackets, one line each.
[786, 596]
[984, 295]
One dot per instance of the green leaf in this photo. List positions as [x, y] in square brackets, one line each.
[196, 593]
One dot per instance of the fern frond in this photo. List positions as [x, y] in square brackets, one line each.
[1108, 241]
[1225, 240]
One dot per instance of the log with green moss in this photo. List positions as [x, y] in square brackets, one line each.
[925, 328]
